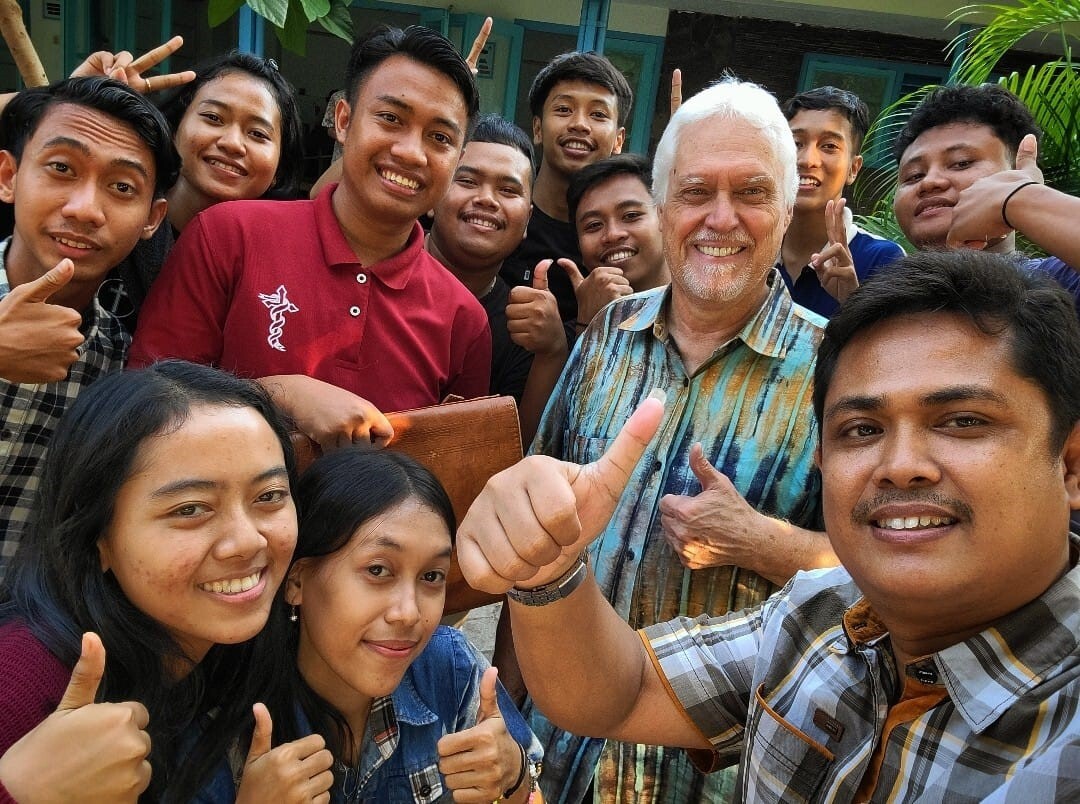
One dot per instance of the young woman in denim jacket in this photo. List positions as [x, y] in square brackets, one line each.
[409, 709]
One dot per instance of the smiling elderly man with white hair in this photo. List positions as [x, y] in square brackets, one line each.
[707, 528]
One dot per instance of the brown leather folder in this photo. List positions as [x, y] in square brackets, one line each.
[463, 444]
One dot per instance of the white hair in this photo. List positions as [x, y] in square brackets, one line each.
[730, 99]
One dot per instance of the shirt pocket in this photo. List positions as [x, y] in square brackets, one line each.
[417, 785]
[783, 764]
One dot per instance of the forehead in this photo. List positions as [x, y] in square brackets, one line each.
[816, 122]
[915, 355]
[613, 192]
[420, 86]
[936, 142]
[91, 133]
[579, 91]
[496, 159]
[725, 148]
[237, 88]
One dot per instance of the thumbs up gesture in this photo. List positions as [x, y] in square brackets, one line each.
[480, 763]
[84, 751]
[714, 528]
[603, 285]
[979, 215]
[293, 773]
[532, 316]
[38, 340]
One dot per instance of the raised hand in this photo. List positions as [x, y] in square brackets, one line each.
[125, 68]
[293, 773]
[39, 341]
[977, 218]
[714, 528]
[478, 45]
[532, 316]
[603, 285]
[531, 521]
[482, 762]
[834, 265]
[84, 751]
[676, 90]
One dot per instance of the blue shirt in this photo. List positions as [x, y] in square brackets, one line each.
[869, 253]
[749, 405]
[439, 694]
[1065, 275]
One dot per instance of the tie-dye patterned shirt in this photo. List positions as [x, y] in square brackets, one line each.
[749, 405]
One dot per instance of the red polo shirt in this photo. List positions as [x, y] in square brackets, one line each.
[272, 287]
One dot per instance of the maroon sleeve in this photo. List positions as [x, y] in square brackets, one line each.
[34, 682]
[185, 311]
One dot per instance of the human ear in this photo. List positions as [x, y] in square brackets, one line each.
[294, 583]
[158, 208]
[619, 138]
[538, 138]
[8, 169]
[854, 168]
[342, 116]
[1070, 456]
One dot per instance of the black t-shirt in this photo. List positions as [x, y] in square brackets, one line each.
[548, 239]
[510, 363]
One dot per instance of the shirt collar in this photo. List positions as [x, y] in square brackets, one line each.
[988, 673]
[764, 332]
[394, 272]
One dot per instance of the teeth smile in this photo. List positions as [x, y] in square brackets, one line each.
[913, 522]
[808, 181]
[400, 180]
[74, 244]
[233, 586]
[231, 168]
[620, 255]
[576, 146]
[718, 251]
[482, 222]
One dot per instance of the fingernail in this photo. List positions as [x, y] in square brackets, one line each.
[659, 394]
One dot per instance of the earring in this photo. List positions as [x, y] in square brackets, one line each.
[293, 616]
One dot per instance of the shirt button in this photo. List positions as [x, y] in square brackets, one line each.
[657, 466]
[354, 311]
[361, 278]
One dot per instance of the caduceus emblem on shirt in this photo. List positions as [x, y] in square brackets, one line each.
[279, 304]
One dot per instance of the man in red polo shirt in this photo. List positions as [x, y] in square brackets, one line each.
[333, 304]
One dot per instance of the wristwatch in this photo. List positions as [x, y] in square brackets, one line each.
[556, 590]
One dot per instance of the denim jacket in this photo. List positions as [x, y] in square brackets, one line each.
[439, 694]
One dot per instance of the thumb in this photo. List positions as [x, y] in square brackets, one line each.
[1027, 155]
[707, 474]
[489, 702]
[612, 471]
[46, 285]
[260, 737]
[86, 677]
[540, 274]
[572, 271]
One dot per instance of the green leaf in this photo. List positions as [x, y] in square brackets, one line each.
[293, 34]
[217, 11]
[273, 11]
[313, 9]
[339, 21]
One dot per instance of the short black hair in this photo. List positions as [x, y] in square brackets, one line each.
[290, 162]
[829, 98]
[987, 104]
[500, 131]
[1002, 298]
[24, 113]
[581, 66]
[421, 44]
[602, 170]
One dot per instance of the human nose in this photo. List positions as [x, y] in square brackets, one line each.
[905, 461]
[580, 121]
[485, 196]
[807, 156]
[241, 537]
[722, 216]
[614, 231]
[231, 139]
[408, 149]
[404, 607]
[84, 205]
[935, 179]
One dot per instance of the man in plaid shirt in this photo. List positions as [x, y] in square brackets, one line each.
[942, 661]
[86, 163]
